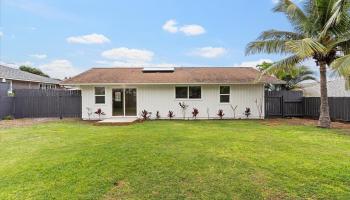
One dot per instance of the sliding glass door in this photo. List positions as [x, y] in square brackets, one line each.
[130, 102]
[118, 102]
[124, 102]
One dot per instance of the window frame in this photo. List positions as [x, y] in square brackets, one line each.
[228, 94]
[100, 95]
[188, 92]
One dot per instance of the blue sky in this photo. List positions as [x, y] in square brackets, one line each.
[67, 37]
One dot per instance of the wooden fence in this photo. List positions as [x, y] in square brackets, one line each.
[293, 104]
[6, 102]
[284, 104]
[339, 108]
[47, 103]
[35, 103]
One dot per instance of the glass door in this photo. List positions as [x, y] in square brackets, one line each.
[124, 102]
[118, 102]
[130, 102]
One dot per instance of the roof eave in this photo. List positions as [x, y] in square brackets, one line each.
[194, 83]
[28, 80]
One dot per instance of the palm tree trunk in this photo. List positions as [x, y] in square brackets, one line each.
[324, 120]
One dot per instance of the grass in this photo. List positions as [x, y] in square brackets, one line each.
[174, 160]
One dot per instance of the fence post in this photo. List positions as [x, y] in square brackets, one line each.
[303, 106]
[282, 106]
[14, 106]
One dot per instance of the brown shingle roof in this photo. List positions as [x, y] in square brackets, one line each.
[193, 75]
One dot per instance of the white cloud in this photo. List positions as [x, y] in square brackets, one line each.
[59, 69]
[124, 54]
[252, 63]
[93, 38]
[189, 30]
[192, 30]
[209, 52]
[275, 1]
[39, 56]
[16, 64]
[1, 34]
[170, 26]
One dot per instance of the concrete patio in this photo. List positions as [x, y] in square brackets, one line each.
[117, 121]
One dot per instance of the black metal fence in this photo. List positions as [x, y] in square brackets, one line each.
[293, 104]
[34, 103]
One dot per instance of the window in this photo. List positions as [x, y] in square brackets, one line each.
[224, 94]
[188, 92]
[195, 92]
[181, 92]
[99, 95]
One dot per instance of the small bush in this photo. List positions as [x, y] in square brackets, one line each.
[247, 112]
[221, 113]
[145, 115]
[195, 112]
[171, 114]
[8, 117]
[158, 115]
[99, 112]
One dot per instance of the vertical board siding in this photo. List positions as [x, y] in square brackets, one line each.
[284, 103]
[339, 107]
[161, 98]
[293, 104]
[35, 103]
[6, 102]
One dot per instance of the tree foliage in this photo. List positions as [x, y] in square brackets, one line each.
[320, 31]
[292, 76]
[33, 70]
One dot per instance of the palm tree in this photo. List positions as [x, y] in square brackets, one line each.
[293, 76]
[321, 31]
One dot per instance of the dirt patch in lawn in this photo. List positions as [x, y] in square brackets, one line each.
[302, 121]
[121, 190]
[27, 122]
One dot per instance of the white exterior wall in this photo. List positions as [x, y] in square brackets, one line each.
[336, 88]
[161, 98]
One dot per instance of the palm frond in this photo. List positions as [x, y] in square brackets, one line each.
[295, 14]
[284, 65]
[267, 46]
[344, 47]
[342, 66]
[306, 47]
[279, 35]
[343, 37]
[306, 78]
[338, 14]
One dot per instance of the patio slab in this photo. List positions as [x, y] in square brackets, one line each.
[117, 121]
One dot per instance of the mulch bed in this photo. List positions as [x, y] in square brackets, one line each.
[27, 122]
[303, 121]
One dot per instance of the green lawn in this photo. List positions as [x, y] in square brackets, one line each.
[174, 160]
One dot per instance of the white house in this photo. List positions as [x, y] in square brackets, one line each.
[336, 88]
[125, 92]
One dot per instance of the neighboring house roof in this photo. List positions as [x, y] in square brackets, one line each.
[181, 75]
[16, 74]
[335, 88]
